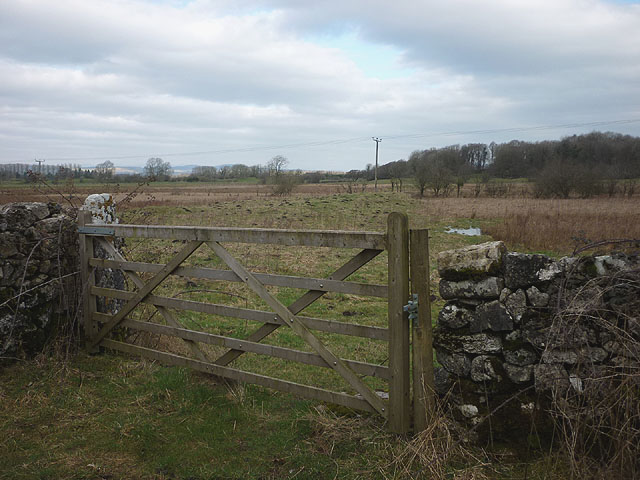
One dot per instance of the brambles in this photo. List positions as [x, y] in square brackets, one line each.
[598, 413]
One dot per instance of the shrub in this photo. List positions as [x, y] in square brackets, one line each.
[284, 184]
[587, 183]
[556, 179]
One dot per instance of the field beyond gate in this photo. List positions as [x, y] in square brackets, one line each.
[133, 330]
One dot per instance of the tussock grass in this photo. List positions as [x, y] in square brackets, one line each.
[113, 417]
[440, 451]
[556, 225]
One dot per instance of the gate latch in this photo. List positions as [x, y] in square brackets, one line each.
[412, 308]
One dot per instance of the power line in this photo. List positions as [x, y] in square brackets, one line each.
[515, 129]
[214, 152]
[353, 140]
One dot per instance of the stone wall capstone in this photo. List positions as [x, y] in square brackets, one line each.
[38, 274]
[516, 322]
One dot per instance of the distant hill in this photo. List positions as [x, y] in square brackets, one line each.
[128, 170]
[178, 170]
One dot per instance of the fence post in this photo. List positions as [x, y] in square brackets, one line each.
[423, 382]
[398, 278]
[88, 279]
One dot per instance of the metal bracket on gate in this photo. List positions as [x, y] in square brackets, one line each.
[97, 231]
[412, 308]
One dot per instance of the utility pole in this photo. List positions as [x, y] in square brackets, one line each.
[377, 140]
[39, 166]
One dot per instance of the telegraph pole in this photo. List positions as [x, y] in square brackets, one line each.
[377, 140]
[40, 165]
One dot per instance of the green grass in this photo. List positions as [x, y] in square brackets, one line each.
[340, 211]
[111, 416]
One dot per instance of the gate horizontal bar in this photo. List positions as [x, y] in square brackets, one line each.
[307, 358]
[309, 238]
[307, 283]
[330, 326]
[314, 393]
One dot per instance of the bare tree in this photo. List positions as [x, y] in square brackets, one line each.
[397, 170]
[157, 169]
[277, 164]
[556, 179]
[431, 169]
[440, 176]
[418, 165]
[205, 173]
[105, 170]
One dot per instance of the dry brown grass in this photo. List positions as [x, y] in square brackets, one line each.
[516, 218]
[438, 453]
[165, 194]
[534, 224]
[543, 224]
[599, 420]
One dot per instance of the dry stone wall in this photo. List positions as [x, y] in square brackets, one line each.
[517, 328]
[38, 274]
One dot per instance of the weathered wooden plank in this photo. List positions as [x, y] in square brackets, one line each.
[320, 324]
[320, 284]
[300, 328]
[310, 238]
[181, 256]
[355, 263]
[87, 276]
[166, 314]
[423, 381]
[305, 391]
[299, 356]
[399, 392]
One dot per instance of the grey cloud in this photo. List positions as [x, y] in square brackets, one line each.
[94, 78]
[494, 36]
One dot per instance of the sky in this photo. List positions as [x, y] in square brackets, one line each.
[216, 82]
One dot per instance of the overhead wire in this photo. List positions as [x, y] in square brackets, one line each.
[258, 148]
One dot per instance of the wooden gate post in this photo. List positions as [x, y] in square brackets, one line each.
[398, 278]
[87, 274]
[423, 382]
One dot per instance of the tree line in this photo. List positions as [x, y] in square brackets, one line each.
[156, 169]
[586, 165]
[20, 170]
[583, 165]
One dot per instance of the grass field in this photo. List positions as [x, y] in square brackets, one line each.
[109, 416]
[548, 225]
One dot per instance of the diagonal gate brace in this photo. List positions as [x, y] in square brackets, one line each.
[304, 301]
[175, 262]
[165, 312]
[298, 326]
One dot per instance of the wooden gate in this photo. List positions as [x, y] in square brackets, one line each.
[397, 409]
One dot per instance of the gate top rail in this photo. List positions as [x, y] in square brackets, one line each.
[309, 238]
